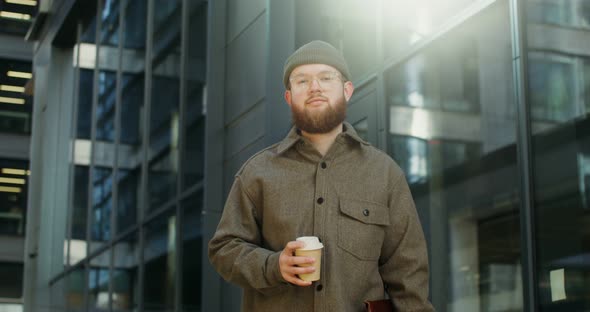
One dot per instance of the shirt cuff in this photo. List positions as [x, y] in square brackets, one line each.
[273, 269]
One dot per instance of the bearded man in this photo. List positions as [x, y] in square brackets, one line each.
[322, 180]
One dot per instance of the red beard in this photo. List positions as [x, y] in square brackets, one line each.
[319, 120]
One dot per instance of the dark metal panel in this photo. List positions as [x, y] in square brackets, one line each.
[240, 14]
[246, 70]
[281, 43]
[249, 128]
[363, 107]
[233, 164]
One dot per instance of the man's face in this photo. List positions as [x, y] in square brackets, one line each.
[318, 97]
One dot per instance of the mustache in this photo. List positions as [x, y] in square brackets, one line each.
[315, 98]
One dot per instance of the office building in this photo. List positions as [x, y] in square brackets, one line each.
[144, 111]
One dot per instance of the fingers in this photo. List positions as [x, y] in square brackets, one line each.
[291, 246]
[290, 266]
[294, 260]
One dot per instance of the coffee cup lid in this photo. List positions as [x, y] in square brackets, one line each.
[311, 242]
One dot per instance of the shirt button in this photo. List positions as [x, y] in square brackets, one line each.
[366, 212]
[319, 287]
[320, 200]
[324, 165]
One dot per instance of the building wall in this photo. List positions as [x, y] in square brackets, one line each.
[14, 154]
[442, 99]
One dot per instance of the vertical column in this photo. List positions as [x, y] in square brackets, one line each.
[439, 253]
[214, 138]
[519, 59]
[143, 196]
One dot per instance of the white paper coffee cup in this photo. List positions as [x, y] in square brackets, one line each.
[313, 249]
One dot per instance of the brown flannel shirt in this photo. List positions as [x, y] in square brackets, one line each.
[355, 199]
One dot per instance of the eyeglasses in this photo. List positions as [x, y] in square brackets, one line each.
[325, 80]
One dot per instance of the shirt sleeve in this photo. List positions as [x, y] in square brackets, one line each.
[235, 249]
[404, 258]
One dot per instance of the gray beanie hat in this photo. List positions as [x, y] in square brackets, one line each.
[316, 52]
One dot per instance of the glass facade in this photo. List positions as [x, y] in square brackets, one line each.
[559, 89]
[455, 140]
[14, 182]
[130, 144]
[437, 88]
[16, 106]
[449, 117]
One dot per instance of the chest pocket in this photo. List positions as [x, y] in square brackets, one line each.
[361, 228]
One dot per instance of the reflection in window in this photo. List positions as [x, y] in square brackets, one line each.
[98, 282]
[105, 110]
[411, 155]
[162, 179]
[586, 86]
[128, 189]
[357, 19]
[561, 178]
[160, 264]
[455, 153]
[13, 196]
[165, 101]
[550, 11]
[132, 85]
[572, 13]
[552, 89]
[468, 199]
[86, 87]
[193, 156]
[168, 11]
[131, 109]
[584, 172]
[135, 24]
[89, 32]
[74, 290]
[192, 242]
[499, 262]
[110, 23]
[12, 280]
[445, 77]
[102, 186]
[409, 22]
[15, 118]
[126, 274]
[359, 23]
[79, 214]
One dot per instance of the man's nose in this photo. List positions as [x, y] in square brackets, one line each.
[315, 85]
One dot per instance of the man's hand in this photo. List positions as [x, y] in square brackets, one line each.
[288, 264]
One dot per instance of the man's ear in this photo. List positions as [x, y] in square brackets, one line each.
[348, 90]
[288, 97]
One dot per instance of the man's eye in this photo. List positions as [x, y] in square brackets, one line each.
[326, 78]
[301, 81]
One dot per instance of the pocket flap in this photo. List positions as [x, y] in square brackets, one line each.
[364, 211]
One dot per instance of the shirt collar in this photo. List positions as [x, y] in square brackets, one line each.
[348, 130]
[294, 136]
